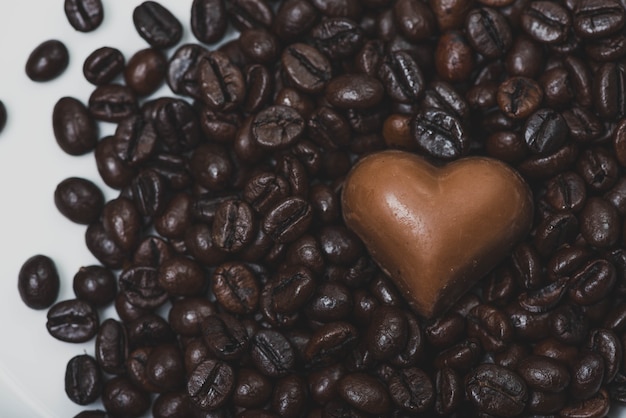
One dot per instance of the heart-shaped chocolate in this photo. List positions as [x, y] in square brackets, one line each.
[436, 230]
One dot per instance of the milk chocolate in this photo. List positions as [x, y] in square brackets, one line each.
[436, 230]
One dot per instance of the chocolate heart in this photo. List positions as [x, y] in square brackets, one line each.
[436, 230]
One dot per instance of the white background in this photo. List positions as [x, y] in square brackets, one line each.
[32, 364]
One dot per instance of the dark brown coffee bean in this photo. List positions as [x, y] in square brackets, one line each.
[184, 70]
[525, 58]
[72, 321]
[454, 57]
[290, 396]
[488, 32]
[38, 282]
[84, 15]
[246, 14]
[252, 389]
[122, 398]
[145, 71]
[546, 22]
[141, 287]
[606, 343]
[272, 354]
[47, 61]
[337, 37]
[519, 97]
[354, 91]
[587, 375]
[439, 134]
[112, 347]
[600, 223]
[330, 341]
[277, 127]
[364, 393]
[607, 90]
[597, 406]
[112, 103]
[208, 20]
[414, 19]
[182, 276]
[545, 131]
[221, 83]
[401, 76]
[288, 220]
[544, 374]
[234, 226]
[74, 129]
[157, 25]
[235, 287]
[596, 19]
[496, 390]
[306, 68]
[95, 284]
[83, 380]
[566, 192]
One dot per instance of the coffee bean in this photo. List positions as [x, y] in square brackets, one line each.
[414, 19]
[145, 71]
[182, 276]
[157, 25]
[496, 390]
[83, 380]
[519, 97]
[111, 347]
[221, 83]
[73, 321]
[246, 14]
[183, 70]
[307, 68]
[546, 22]
[401, 76]
[454, 58]
[84, 15]
[95, 284]
[121, 397]
[488, 32]
[595, 19]
[38, 282]
[337, 37]
[607, 90]
[545, 131]
[225, 336]
[74, 129]
[439, 134]
[355, 91]
[288, 219]
[272, 353]
[47, 61]
[112, 103]
[277, 127]
[364, 393]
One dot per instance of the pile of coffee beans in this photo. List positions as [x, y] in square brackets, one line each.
[240, 291]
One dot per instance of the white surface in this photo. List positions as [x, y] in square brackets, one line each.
[32, 364]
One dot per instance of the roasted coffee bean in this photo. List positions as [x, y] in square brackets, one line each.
[84, 15]
[272, 354]
[122, 223]
[288, 220]
[260, 88]
[587, 375]
[445, 330]
[277, 127]
[234, 226]
[330, 341]
[545, 131]
[83, 380]
[47, 61]
[79, 200]
[141, 287]
[265, 190]
[328, 128]
[164, 367]
[600, 223]
[401, 76]
[74, 129]
[439, 134]
[112, 103]
[566, 191]
[38, 282]
[546, 22]
[490, 326]
[135, 140]
[149, 331]
[306, 68]
[294, 18]
[72, 321]
[136, 369]
[184, 70]
[208, 20]
[596, 19]
[545, 298]
[354, 91]
[488, 32]
[337, 37]
[598, 168]
[171, 404]
[365, 393]
[290, 396]
[415, 20]
[608, 95]
[112, 347]
[259, 46]
[291, 289]
[187, 314]
[225, 336]
[454, 57]
[95, 284]
[182, 276]
[387, 333]
[519, 97]
[252, 389]
[103, 65]
[544, 374]
[246, 14]
[330, 302]
[597, 406]
[606, 343]
[525, 58]
[157, 25]
[235, 287]
[414, 397]
[496, 390]
[121, 397]
[115, 172]
[221, 83]
[448, 390]
[145, 71]
[568, 324]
